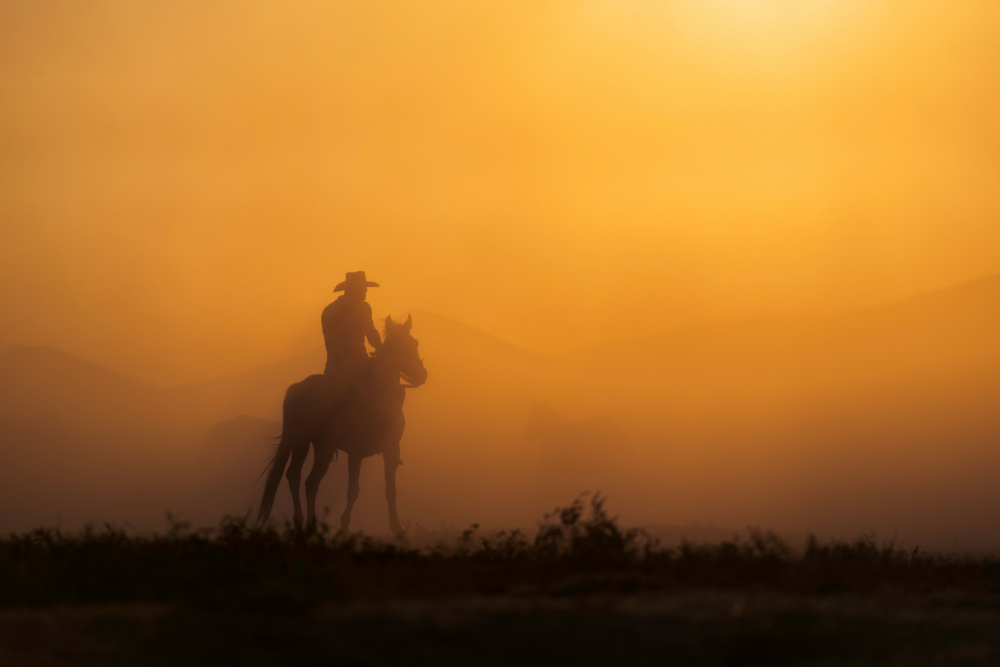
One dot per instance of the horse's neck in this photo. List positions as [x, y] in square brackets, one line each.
[383, 374]
[383, 385]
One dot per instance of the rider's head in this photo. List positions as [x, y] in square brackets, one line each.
[355, 285]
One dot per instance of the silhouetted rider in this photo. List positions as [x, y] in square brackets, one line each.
[347, 322]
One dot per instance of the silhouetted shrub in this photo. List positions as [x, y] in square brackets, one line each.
[577, 549]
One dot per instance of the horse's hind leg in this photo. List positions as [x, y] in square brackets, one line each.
[353, 489]
[321, 463]
[294, 475]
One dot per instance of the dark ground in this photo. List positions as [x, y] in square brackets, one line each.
[694, 628]
[582, 591]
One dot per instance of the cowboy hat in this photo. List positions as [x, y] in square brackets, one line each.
[354, 279]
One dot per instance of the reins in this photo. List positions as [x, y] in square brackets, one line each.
[395, 371]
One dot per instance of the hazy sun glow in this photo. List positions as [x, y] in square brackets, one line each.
[176, 168]
[775, 20]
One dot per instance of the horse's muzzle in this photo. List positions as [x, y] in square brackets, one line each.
[415, 379]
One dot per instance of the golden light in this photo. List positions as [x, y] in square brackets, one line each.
[182, 185]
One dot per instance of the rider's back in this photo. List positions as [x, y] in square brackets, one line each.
[344, 323]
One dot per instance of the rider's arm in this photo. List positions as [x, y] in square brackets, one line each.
[371, 333]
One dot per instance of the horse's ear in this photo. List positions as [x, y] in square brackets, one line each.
[408, 324]
[388, 322]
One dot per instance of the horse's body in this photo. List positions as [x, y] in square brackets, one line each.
[332, 416]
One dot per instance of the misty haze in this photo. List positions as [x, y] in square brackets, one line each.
[668, 331]
[879, 420]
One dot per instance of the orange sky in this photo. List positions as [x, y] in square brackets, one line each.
[182, 184]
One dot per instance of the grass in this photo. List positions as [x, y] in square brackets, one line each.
[578, 543]
[581, 588]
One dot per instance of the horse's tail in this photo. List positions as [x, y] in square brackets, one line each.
[275, 469]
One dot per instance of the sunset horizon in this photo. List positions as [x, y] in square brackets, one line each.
[627, 331]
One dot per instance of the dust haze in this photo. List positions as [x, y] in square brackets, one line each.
[729, 268]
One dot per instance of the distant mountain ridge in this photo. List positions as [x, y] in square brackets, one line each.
[980, 293]
[39, 379]
[953, 325]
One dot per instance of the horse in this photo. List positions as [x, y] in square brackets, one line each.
[359, 423]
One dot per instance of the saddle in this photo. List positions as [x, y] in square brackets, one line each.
[347, 395]
[355, 398]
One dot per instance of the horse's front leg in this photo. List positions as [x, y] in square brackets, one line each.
[353, 490]
[322, 455]
[391, 464]
[390, 454]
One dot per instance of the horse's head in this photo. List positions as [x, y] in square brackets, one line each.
[400, 348]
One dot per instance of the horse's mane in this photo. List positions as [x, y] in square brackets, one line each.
[390, 325]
